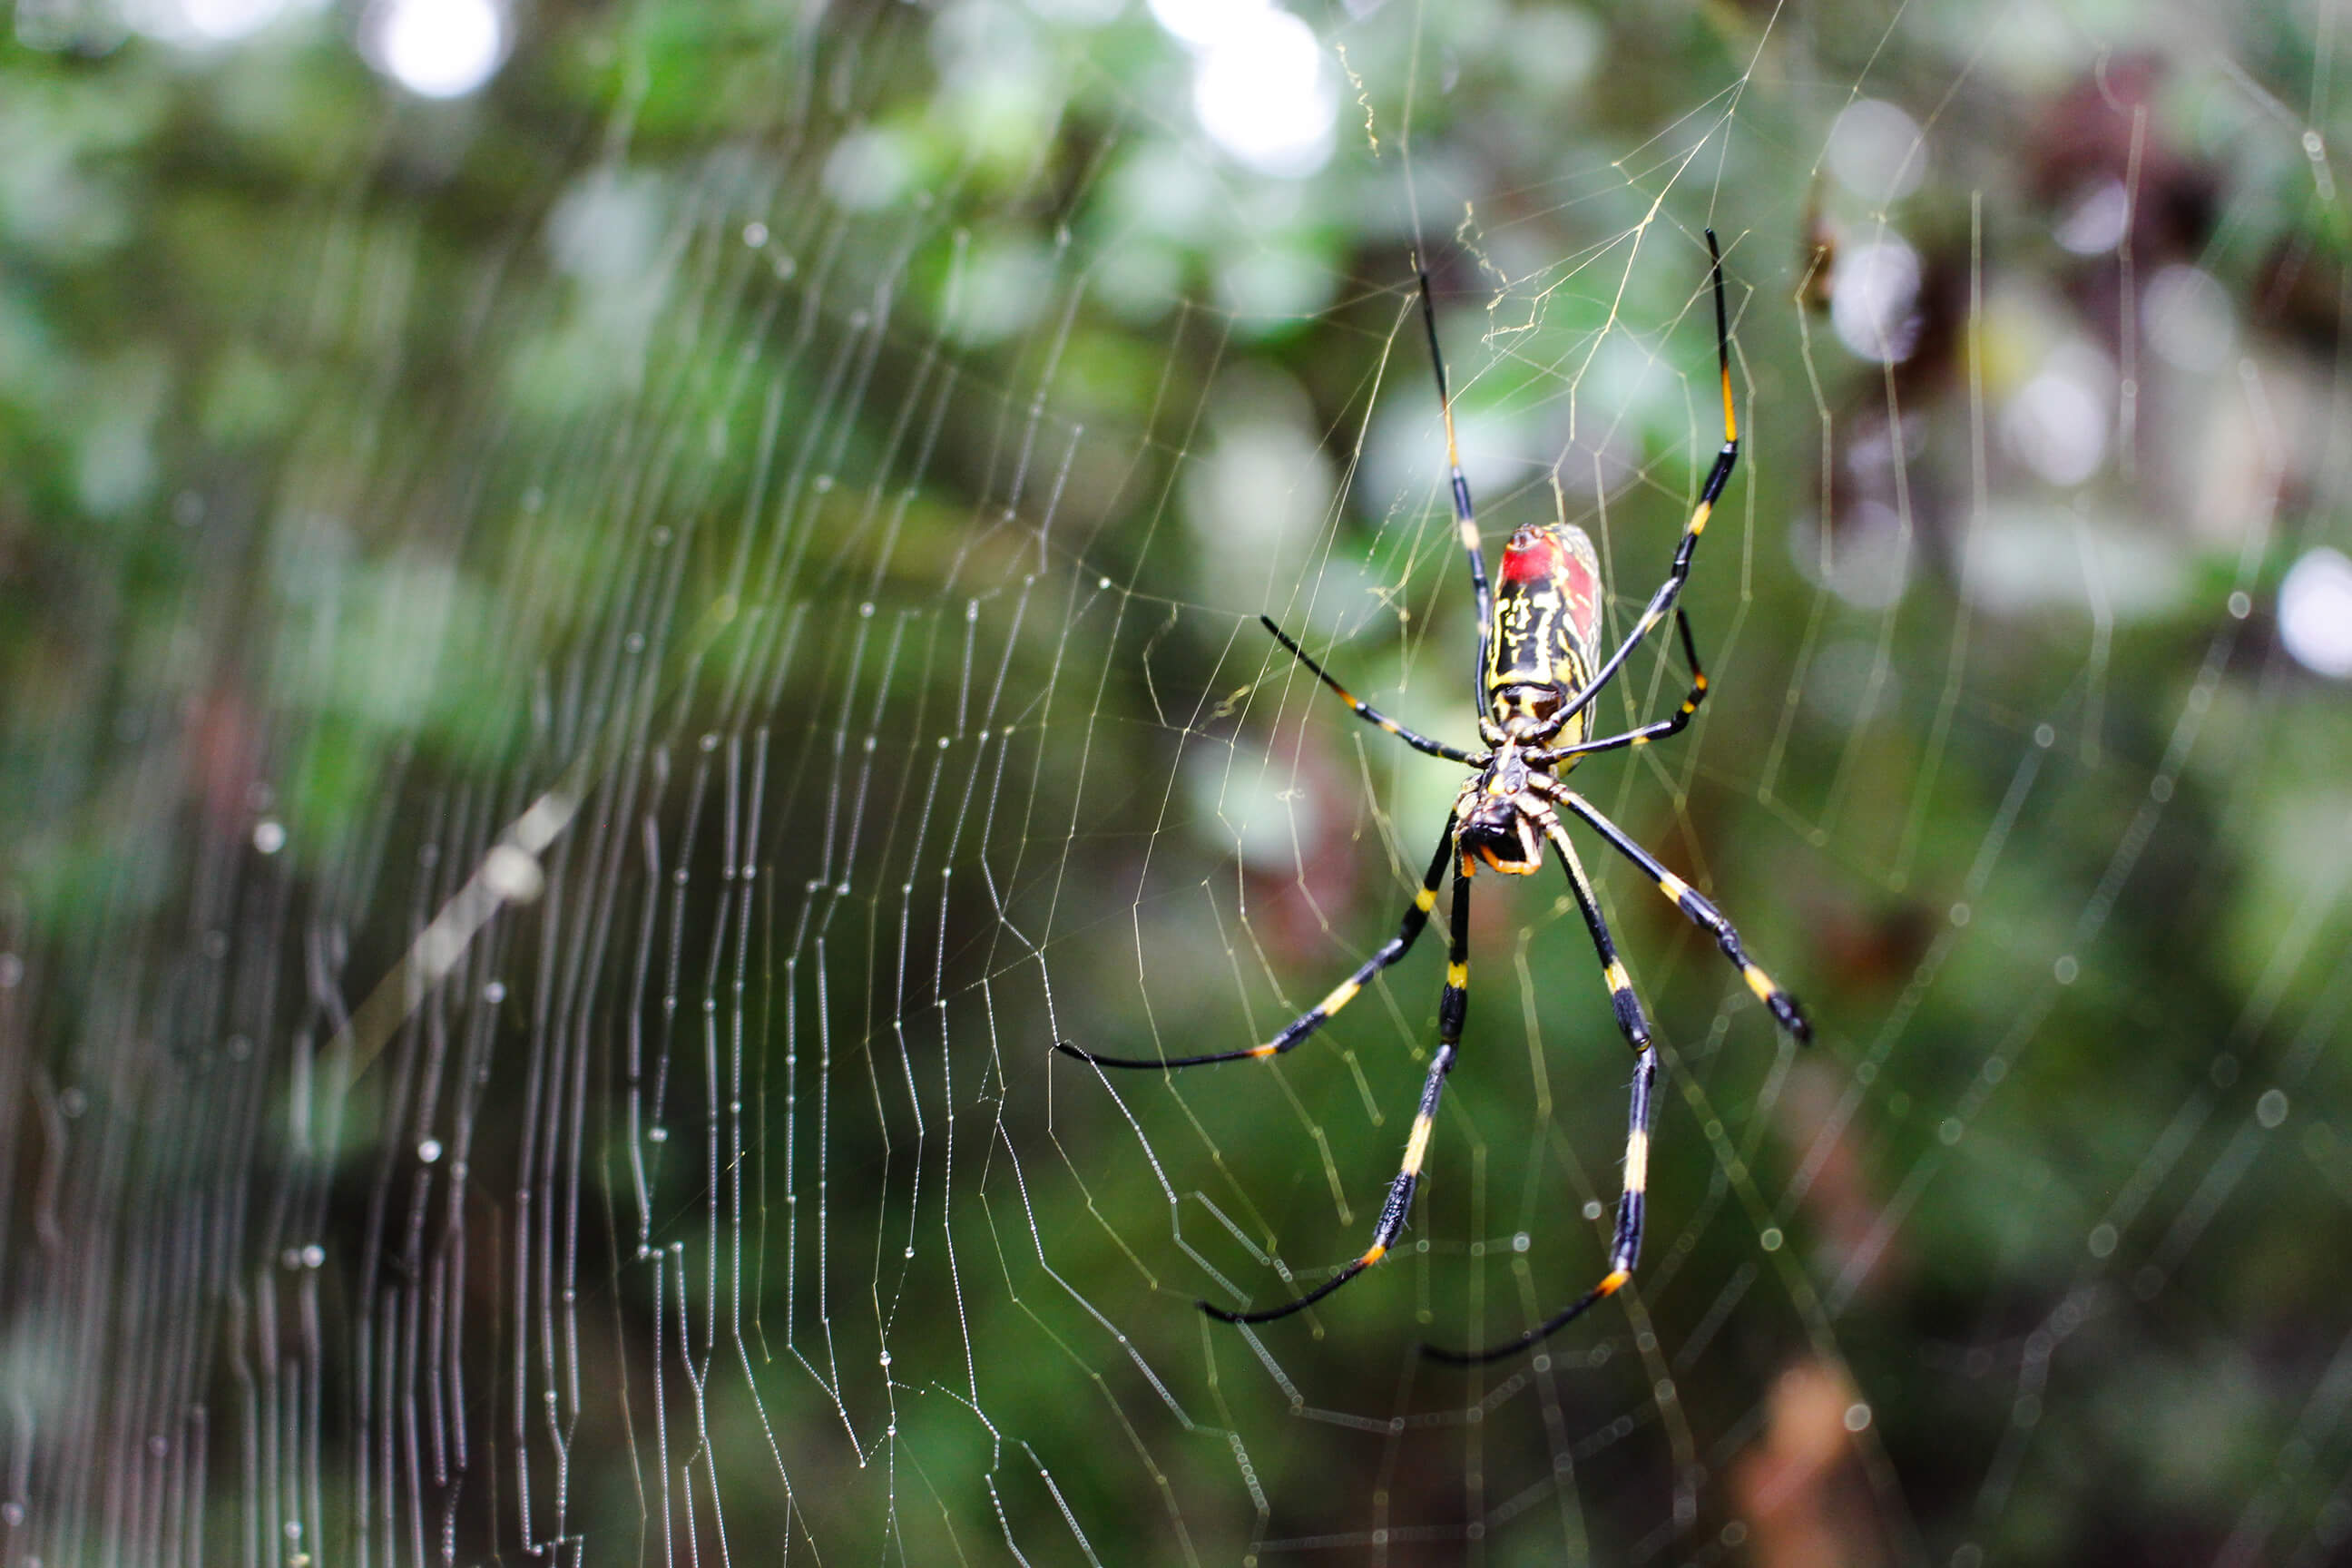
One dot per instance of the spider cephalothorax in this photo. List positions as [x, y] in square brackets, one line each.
[1493, 824]
[1537, 675]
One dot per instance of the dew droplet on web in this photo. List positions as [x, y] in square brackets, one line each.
[513, 875]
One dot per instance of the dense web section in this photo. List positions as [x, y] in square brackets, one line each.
[527, 1019]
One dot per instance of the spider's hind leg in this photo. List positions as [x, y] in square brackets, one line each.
[1632, 1199]
[1452, 1006]
[1625, 1246]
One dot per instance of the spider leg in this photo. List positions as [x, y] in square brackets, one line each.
[1371, 714]
[1409, 929]
[1699, 911]
[1630, 1021]
[1453, 1005]
[1625, 1244]
[1623, 1251]
[1663, 599]
[1465, 521]
[1644, 734]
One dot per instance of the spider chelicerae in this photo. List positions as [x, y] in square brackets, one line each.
[1537, 682]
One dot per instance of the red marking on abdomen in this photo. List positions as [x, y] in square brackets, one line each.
[1537, 563]
[1582, 590]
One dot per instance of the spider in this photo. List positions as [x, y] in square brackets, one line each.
[1536, 682]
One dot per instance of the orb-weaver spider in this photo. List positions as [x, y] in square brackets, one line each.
[1535, 681]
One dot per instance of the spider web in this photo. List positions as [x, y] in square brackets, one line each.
[654, 670]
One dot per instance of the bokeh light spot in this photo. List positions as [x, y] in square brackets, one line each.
[2314, 612]
[1265, 95]
[2094, 223]
[1261, 86]
[437, 49]
[1876, 152]
[1875, 303]
[867, 168]
[224, 21]
[2057, 424]
[1203, 24]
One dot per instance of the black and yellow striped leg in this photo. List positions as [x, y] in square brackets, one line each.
[1630, 1021]
[1720, 474]
[1369, 713]
[1624, 1245]
[1409, 929]
[1465, 521]
[1453, 1005]
[1700, 912]
[1646, 733]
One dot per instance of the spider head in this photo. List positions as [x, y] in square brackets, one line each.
[1495, 830]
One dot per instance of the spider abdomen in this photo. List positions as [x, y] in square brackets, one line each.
[1547, 621]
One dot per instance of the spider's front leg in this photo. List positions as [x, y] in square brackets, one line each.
[1678, 572]
[1366, 711]
[1408, 932]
